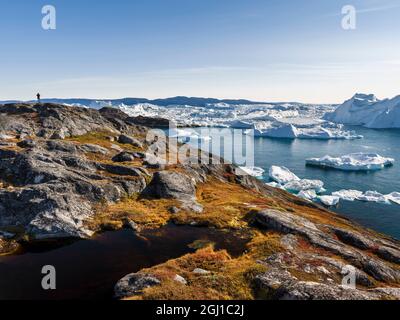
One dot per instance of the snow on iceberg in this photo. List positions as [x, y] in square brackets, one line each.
[305, 184]
[282, 175]
[366, 110]
[373, 196]
[329, 201]
[307, 194]
[286, 132]
[253, 171]
[394, 197]
[289, 131]
[353, 162]
[349, 195]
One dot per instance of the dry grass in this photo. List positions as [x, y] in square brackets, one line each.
[225, 205]
[145, 213]
[228, 278]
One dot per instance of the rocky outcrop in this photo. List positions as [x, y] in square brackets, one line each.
[281, 285]
[55, 185]
[289, 223]
[174, 185]
[133, 284]
[52, 121]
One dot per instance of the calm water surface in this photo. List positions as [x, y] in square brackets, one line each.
[89, 269]
[292, 154]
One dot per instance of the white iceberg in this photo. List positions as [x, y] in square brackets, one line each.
[305, 184]
[282, 175]
[353, 162]
[307, 194]
[238, 124]
[366, 110]
[274, 185]
[373, 196]
[289, 131]
[394, 197]
[349, 195]
[329, 201]
[253, 171]
[286, 131]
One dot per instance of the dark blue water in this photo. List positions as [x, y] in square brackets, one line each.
[292, 154]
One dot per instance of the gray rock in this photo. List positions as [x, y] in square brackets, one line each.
[289, 223]
[180, 279]
[154, 162]
[174, 185]
[93, 148]
[124, 139]
[29, 143]
[124, 157]
[353, 238]
[278, 284]
[389, 254]
[133, 284]
[201, 271]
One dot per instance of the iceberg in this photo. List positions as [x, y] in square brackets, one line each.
[253, 171]
[329, 201]
[289, 131]
[394, 197]
[353, 162]
[286, 132]
[274, 185]
[373, 196]
[307, 194]
[349, 195]
[366, 110]
[282, 175]
[305, 184]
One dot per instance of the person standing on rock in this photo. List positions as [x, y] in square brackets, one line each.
[38, 97]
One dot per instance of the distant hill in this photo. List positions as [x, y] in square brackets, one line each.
[192, 101]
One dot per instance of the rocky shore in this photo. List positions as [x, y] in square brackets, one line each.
[69, 172]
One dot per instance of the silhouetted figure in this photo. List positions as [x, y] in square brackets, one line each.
[38, 97]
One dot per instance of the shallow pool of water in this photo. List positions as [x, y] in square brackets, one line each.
[89, 269]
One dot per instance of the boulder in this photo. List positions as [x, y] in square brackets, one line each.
[124, 139]
[133, 284]
[174, 185]
[123, 157]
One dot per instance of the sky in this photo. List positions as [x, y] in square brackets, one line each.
[263, 50]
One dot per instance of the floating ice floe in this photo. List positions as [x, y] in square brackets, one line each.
[289, 131]
[253, 171]
[307, 194]
[394, 197]
[349, 195]
[329, 201]
[353, 162]
[305, 184]
[186, 135]
[282, 175]
[274, 185]
[373, 196]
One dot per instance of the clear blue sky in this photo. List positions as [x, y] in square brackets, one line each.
[269, 50]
